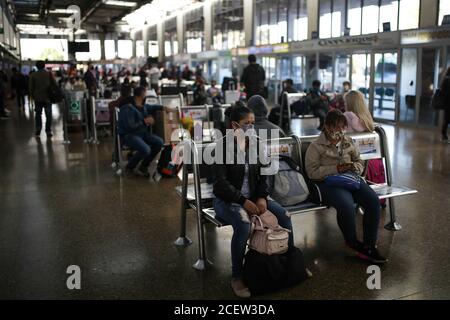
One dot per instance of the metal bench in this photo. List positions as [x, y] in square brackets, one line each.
[304, 124]
[198, 196]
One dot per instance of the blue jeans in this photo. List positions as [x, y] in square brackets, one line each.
[146, 145]
[231, 214]
[344, 201]
[47, 107]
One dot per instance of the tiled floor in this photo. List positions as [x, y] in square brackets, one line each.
[62, 205]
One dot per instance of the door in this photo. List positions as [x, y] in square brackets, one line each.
[385, 86]
[408, 85]
[361, 74]
[431, 76]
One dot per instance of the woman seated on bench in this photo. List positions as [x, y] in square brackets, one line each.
[241, 191]
[331, 154]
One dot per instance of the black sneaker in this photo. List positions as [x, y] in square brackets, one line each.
[372, 255]
[37, 133]
[356, 247]
[142, 172]
[49, 134]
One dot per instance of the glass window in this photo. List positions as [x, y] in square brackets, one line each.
[326, 72]
[283, 20]
[354, 17]
[389, 13]
[325, 19]
[44, 49]
[228, 24]
[140, 50]
[342, 72]
[444, 9]
[338, 18]
[274, 32]
[110, 49]
[153, 48]
[361, 73]
[297, 72]
[194, 35]
[125, 49]
[409, 14]
[370, 14]
[170, 37]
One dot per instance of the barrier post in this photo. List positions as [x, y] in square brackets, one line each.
[86, 122]
[94, 138]
[202, 262]
[183, 240]
[393, 225]
[65, 115]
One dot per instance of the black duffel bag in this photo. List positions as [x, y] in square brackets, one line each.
[266, 274]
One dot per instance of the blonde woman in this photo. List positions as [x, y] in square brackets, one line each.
[360, 120]
[357, 113]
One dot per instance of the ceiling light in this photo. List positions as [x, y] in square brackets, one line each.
[118, 3]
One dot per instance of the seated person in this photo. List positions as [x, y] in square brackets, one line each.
[241, 191]
[318, 102]
[135, 118]
[200, 97]
[288, 86]
[331, 154]
[214, 93]
[125, 94]
[259, 107]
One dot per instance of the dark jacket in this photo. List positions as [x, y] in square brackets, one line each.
[445, 89]
[229, 179]
[253, 78]
[40, 82]
[131, 118]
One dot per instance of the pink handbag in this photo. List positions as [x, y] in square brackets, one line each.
[267, 236]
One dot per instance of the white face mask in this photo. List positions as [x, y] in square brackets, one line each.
[337, 135]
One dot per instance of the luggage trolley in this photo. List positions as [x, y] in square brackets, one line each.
[100, 116]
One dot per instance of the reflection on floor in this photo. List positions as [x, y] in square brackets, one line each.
[62, 205]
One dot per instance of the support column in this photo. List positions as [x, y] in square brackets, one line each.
[180, 33]
[428, 13]
[145, 39]
[102, 46]
[208, 18]
[116, 46]
[160, 37]
[313, 16]
[133, 38]
[248, 22]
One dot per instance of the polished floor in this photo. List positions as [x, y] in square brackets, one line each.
[62, 205]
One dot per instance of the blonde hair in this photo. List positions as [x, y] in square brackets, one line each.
[355, 102]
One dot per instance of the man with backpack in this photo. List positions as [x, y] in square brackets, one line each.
[40, 85]
[18, 83]
[445, 89]
[254, 78]
[318, 102]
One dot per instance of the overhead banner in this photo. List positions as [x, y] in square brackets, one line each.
[426, 36]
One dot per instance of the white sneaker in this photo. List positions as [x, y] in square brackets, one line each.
[240, 289]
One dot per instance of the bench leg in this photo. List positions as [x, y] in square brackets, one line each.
[202, 262]
[182, 240]
[393, 225]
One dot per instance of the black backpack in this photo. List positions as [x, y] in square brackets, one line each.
[266, 274]
[166, 167]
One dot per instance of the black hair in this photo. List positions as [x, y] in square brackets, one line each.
[346, 83]
[125, 91]
[252, 58]
[289, 81]
[40, 65]
[238, 113]
[138, 91]
[316, 83]
[107, 94]
[335, 118]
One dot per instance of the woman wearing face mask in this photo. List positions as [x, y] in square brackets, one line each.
[334, 153]
[241, 191]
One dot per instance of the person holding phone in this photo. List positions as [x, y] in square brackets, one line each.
[241, 191]
[335, 153]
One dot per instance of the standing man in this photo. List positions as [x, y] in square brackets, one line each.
[155, 74]
[19, 86]
[254, 78]
[91, 80]
[40, 82]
